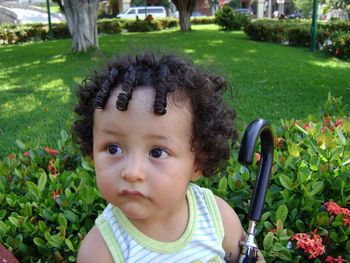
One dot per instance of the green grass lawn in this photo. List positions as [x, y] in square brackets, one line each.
[38, 80]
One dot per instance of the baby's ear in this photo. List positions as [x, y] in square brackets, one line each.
[197, 173]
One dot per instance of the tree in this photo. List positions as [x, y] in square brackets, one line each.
[304, 5]
[185, 8]
[81, 16]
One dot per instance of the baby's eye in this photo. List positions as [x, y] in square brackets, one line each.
[158, 153]
[114, 149]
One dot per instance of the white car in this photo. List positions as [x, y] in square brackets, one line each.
[141, 11]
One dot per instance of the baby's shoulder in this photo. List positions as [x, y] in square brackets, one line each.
[93, 248]
[233, 230]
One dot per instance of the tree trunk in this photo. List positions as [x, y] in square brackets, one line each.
[185, 8]
[81, 16]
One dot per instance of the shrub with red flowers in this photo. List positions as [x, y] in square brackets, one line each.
[311, 245]
[48, 202]
[306, 216]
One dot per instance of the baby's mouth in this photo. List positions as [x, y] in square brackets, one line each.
[132, 194]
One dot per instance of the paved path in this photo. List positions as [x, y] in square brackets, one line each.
[25, 16]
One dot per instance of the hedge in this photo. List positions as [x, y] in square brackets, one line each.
[333, 36]
[13, 34]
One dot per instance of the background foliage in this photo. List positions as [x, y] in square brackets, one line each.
[311, 167]
[50, 198]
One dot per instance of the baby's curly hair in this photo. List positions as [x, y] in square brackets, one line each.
[213, 131]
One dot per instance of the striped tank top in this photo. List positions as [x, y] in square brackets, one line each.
[201, 241]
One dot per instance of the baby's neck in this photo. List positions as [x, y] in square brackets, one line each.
[165, 228]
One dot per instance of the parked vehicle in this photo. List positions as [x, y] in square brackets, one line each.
[194, 14]
[296, 15]
[141, 12]
[245, 11]
[337, 14]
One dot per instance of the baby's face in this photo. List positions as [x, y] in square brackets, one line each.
[143, 161]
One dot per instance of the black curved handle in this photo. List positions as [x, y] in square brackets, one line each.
[255, 129]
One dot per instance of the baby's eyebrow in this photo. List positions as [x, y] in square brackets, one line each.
[112, 132]
[164, 138]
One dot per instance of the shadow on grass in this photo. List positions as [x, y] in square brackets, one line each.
[37, 94]
[269, 81]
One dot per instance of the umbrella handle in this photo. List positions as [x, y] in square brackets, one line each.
[258, 128]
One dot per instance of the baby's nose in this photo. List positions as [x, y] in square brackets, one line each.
[134, 169]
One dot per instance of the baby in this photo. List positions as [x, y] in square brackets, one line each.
[153, 124]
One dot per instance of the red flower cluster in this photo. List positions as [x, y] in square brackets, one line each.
[50, 151]
[327, 124]
[55, 194]
[51, 168]
[338, 259]
[258, 158]
[334, 209]
[11, 156]
[311, 245]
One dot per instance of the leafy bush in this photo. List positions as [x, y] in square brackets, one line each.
[203, 20]
[168, 22]
[49, 202]
[339, 44]
[60, 30]
[333, 36]
[301, 36]
[13, 34]
[229, 19]
[308, 198]
[142, 26]
[334, 26]
[109, 26]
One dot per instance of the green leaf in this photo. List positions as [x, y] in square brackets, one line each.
[231, 183]
[55, 241]
[20, 144]
[69, 244]
[268, 241]
[42, 181]
[334, 236]
[265, 216]
[71, 216]
[282, 253]
[300, 225]
[278, 247]
[347, 247]
[42, 226]
[14, 221]
[39, 242]
[268, 225]
[62, 221]
[47, 235]
[223, 185]
[33, 188]
[86, 165]
[10, 201]
[4, 228]
[245, 174]
[294, 150]
[48, 213]
[286, 182]
[279, 226]
[316, 188]
[64, 135]
[281, 213]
